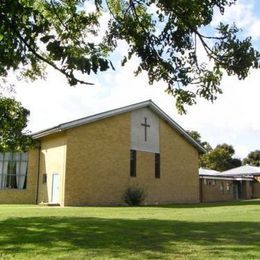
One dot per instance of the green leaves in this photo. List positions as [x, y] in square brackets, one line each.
[220, 158]
[234, 55]
[13, 120]
[51, 32]
[253, 158]
[163, 34]
[166, 42]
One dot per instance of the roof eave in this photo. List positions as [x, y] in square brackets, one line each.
[115, 112]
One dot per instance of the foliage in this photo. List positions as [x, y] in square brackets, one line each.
[35, 33]
[229, 148]
[191, 231]
[235, 162]
[13, 119]
[220, 158]
[196, 136]
[134, 196]
[253, 158]
[164, 35]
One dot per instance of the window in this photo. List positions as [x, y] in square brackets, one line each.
[211, 182]
[44, 178]
[132, 163]
[13, 170]
[157, 166]
[221, 187]
[228, 187]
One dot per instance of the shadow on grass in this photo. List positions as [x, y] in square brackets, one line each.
[214, 204]
[121, 237]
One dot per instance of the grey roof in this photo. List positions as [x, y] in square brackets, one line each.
[242, 170]
[204, 171]
[149, 103]
[216, 175]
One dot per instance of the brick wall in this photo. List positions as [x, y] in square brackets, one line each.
[217, 190]
[256, 190]
[98, 165]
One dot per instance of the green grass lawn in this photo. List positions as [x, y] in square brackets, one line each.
[206, 231]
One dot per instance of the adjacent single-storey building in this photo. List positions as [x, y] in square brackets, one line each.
[93, 160]
[239, 183]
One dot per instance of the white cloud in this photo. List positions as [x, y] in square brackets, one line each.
[242, 14]
[254, 29]
[233, 117]
[239, 13]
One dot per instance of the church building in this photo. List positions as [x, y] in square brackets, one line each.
[93, 160]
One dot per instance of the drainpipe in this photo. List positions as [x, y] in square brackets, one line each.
[200, 189]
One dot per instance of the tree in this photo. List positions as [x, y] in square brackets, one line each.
[196, 136]
[253, 158]
[34, 33]
[37, 33]
[13, 119]
[227, 147]
[220, 158]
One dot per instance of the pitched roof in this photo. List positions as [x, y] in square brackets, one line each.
[216, 175]
[204, 171]
[242, 170]
[148, 103]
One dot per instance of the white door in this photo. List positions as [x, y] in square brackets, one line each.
[55, 188]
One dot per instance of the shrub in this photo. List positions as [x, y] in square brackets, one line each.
[134, 196]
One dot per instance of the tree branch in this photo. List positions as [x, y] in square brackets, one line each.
[13, 27]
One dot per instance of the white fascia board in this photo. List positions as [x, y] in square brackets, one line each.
[216, 178]
[89, 119]
[46, 132]
[104, 115]
[243, 179]
[226, 178]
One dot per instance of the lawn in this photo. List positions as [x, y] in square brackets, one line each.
[206, 231]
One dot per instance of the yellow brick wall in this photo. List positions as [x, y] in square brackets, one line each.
[211, 193]
[26, 196]
[179, 167]
[98, 165]
[52, 160]
[97, 169]
[247, 190]
[256, 189]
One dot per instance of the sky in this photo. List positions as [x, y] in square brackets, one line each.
[233, 118]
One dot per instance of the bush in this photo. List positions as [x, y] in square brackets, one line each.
[134, 196]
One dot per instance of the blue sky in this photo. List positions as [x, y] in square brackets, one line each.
[233, 118]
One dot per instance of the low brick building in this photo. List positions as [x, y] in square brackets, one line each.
[93, 160]
[235, 184]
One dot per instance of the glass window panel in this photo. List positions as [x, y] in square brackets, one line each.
[11, 168]
[20, 181]
[4, 180]
[1, 156]
[24, 156]
[17, 156]
[7, 156]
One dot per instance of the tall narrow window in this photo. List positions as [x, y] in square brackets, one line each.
[44, 178]
[132, 163]
[157, 166]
